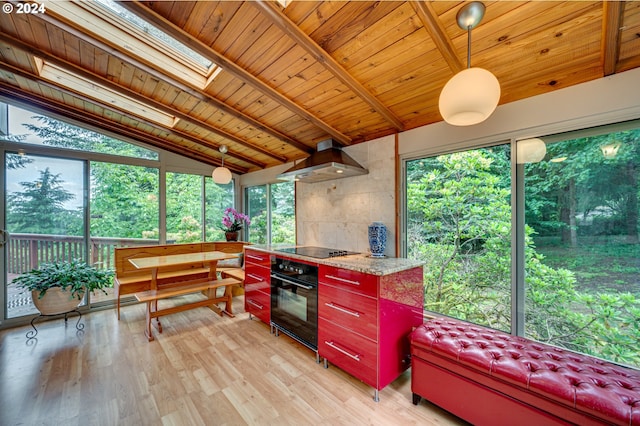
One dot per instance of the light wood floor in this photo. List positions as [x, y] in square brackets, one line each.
[202, 370]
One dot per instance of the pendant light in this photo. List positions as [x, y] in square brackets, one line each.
[471, 95]
[221, 174]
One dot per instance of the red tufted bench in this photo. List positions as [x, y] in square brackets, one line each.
[488, 377]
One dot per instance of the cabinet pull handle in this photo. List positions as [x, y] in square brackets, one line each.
[256, 277]
[257, 305]
[341, 309]
[344, 280]
[249, 256]
[284, 280]
[350, 355]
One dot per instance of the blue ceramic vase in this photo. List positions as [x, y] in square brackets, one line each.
[377, 239]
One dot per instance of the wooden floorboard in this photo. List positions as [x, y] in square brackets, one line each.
[202, 370]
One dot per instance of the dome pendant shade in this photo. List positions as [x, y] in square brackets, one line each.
[469, 97]
[221, 175]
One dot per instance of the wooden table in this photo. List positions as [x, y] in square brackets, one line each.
[155, 263]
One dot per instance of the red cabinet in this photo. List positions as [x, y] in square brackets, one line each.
[257, 285]
[364, 321]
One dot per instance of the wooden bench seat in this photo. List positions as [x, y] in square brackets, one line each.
[151, 297]
[236, 273]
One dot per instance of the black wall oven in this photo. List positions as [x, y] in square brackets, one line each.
[294, 300]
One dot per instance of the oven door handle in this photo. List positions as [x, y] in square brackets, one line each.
[278, 277]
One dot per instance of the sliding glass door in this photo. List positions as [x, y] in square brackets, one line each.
[45, 216]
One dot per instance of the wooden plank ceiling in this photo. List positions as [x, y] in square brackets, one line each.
[290, 77]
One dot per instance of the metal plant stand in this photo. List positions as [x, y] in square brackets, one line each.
[33, 333]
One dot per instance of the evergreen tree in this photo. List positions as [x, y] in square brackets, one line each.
[39, 209]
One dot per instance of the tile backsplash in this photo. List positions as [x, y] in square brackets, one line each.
[337, 213]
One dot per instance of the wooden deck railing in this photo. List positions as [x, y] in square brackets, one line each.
[27, 251]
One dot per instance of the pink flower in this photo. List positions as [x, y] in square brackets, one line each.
[233, 220]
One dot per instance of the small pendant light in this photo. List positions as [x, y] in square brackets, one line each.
[221, 174]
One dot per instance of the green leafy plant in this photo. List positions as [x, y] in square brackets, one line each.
[74, 276]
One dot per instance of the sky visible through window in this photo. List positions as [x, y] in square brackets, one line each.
[114, 7]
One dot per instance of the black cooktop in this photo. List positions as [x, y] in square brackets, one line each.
[317, 252]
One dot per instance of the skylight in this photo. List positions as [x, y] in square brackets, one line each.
[155, 32]
[103, 94]
[106, 20]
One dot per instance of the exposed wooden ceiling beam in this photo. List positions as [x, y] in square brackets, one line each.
[128, 58]
[81, 116]
[143, 99]
[436, 31]
[108, 124]
[611, 24]
[278, 18]
[230, 66]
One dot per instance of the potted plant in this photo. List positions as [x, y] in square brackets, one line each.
[59, 287]
[232, 222]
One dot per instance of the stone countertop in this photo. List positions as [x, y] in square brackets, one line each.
[355, 262]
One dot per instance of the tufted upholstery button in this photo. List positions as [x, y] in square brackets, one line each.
[578, 383]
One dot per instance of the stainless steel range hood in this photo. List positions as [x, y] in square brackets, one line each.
[328, 162]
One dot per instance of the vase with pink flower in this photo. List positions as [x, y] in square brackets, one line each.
[232, 223]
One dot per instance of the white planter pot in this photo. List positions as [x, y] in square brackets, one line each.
[55, 301]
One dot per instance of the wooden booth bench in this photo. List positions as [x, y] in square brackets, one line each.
[131, 280]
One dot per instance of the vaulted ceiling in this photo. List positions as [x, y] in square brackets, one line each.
[277, 80]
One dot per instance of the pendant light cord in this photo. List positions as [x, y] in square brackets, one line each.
[469, 47]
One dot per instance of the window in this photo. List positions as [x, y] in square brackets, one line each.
[582, 246]
[217, 199]
[45, 206]
[184, 208]
[63, 198]
[28, 127]
[256, 207]
[177, 47]
[574, 236]
[124, 206]
[272, 212]
[459, 223]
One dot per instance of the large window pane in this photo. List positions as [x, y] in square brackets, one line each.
[272, 212]
[184, 208]
[124, 212]
[583, 253]
[283, 213]
[459, 224]
[45, 218]
[218, 198]
[256, 202]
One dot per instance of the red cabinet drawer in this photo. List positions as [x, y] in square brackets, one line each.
[351, 352]
[353, 311]
[349, 280]
[258, 303]
[256, 278]
[257, 257]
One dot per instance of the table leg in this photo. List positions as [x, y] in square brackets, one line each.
[228, 294]
[154, 286]
[147, 330]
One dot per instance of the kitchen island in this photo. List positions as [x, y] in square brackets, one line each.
[366, 308]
